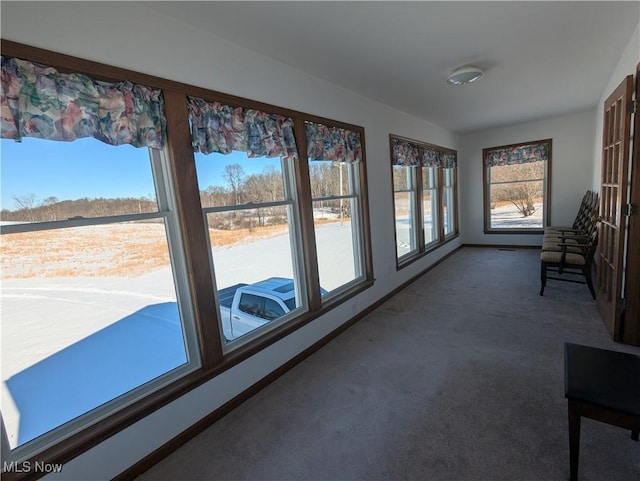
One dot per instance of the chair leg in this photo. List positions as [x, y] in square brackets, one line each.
[543, 277]
[574, 440]
[587, 275]
[634, 435]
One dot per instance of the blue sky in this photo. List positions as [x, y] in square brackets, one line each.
[90, 168]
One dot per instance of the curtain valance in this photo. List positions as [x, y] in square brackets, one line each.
[431, 157]
[520, 154]
[332, 143]
[405, 153]
[449, 159]
[38, 101]
[216, 127]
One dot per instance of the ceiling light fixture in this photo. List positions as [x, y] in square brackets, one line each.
[465, 75]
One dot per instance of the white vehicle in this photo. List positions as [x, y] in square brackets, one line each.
[245, 307]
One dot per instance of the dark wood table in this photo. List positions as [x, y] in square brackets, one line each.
[602, 385]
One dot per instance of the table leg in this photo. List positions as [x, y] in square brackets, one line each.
[574, 439]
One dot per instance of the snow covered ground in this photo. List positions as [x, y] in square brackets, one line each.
[71, 344]
[508, 217]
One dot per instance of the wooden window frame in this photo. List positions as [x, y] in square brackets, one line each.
[182, 174]
[422, 248]
[486, 201]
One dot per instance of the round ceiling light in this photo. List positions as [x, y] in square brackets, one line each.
[465, 75]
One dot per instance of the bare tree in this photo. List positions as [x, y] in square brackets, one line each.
[520, 184]
[233, 175]
[214, 195]
[51, 205]
[26, 203]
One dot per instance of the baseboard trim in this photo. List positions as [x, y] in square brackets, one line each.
[503, 246]
[173, 444]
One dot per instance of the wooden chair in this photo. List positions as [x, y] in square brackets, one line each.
[602, 385]
[575, 256]
[589, 208]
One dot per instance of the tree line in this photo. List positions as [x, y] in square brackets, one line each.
[237, 188]
[30, 209]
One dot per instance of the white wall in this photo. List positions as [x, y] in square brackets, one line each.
[571, 172]
[626, 66]
[133, 36]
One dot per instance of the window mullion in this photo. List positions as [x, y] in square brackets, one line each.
[441, 189]
[191, 226]
[305, 208]
[419, 200]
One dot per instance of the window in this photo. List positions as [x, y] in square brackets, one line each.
[449, 197]
[430, 208]
[404, 201]
[122, 264]
[516, 187]
[424, 195]
[250, 209]
[334, 175]
[94, 314]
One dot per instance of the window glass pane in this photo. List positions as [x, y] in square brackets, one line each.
[336, 222]
[252, 249]
[88, 314]
[404, 214]
[404, 206]
[336, 233]
[449, 202]
[43, 180]
[235, 179]
[516, 196]
[329, 179]
[252, 255]
[401, 178]
[430, 204]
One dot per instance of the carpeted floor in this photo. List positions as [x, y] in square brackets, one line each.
[458, 377]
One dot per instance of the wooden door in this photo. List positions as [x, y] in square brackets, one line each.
[631, 314]
[613, 195]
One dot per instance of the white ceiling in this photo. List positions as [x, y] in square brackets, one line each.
[540, 58]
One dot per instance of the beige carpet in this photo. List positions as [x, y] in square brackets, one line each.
[458, 377]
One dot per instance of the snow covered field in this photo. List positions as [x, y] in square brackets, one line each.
[508, 217]
[73, 343]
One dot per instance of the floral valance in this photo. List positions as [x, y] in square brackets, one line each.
[332, 143]
[405, 153]
[216, 127]
[410, 154]
[431, 157]
[520, 154]
[38, 101]
[449, 159]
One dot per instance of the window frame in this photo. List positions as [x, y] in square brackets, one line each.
[546, 195]
[353, 197]
[198, 278]
[166, 204]
[416, 173]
